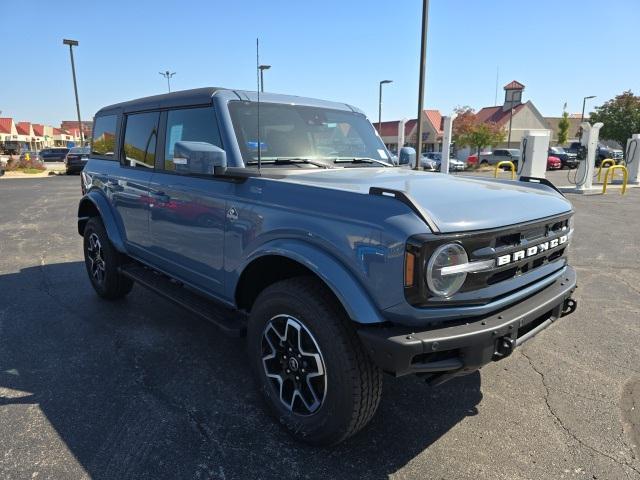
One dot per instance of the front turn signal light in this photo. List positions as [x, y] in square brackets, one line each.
[409, 269]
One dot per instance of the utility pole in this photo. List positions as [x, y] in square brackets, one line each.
[380, 106]
[74, 43]
[423, 68]
[168, 76]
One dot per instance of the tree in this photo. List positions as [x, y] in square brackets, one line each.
[563, 128]
[471, 132]
[620, 116]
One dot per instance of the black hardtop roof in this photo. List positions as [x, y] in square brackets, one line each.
[203, 96]
[196, 96]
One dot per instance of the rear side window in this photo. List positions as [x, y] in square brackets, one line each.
[140, 137]
[190, 124]
[104, 136]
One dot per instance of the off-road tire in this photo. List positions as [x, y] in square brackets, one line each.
[353, 381]
[111, 285]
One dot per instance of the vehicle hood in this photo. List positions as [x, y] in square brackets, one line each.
[454, 203]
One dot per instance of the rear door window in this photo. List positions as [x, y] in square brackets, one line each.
[140, 137]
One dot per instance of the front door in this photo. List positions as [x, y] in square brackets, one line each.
[188, 212]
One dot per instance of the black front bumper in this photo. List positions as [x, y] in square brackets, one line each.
[447, 351]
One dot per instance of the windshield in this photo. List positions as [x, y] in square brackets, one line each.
[558, 150]
[80, 150]
[301, 132]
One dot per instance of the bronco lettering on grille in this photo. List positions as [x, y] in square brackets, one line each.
[531, 251]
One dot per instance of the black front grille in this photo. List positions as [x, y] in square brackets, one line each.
[490, 245]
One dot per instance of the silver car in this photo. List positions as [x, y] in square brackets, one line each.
[500, 155]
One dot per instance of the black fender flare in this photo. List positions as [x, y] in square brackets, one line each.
[92, 202]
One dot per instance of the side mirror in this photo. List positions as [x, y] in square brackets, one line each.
[407, 156]
[200, 158]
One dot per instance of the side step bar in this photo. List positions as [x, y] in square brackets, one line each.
[231, 322]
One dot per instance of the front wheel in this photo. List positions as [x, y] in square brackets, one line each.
[309, 363]
[103, 262]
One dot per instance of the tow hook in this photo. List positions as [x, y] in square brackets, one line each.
[569, 306]
[504, 348]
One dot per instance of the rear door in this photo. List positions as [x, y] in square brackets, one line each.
[129, 184]
[188, 211]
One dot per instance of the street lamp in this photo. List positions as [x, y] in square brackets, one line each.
[423, 69]
[380, 105]
[262, 68]
[168, 76]
[74, 43]
[584, 101]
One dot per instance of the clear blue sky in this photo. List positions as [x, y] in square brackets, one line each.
[332, 49]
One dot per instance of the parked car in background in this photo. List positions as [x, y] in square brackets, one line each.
[568, 159]
[432, 161]
[428, 164]
[603, 152]
[11, 147]
[76, 159]
[553, 163]
[55, 154]
[500, 155]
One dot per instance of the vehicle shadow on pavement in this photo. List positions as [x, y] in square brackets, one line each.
[140, 389]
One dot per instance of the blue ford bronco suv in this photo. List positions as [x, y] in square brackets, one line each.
[282, 219]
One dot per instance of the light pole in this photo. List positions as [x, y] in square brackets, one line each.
[584, 101]
[510, 122]
[168, 76]
[423, 68]
[380, 105]
[74, 43]
[262, 68]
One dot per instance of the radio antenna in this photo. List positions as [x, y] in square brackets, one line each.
[258, 90]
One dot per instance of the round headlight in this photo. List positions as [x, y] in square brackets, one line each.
[445, 284]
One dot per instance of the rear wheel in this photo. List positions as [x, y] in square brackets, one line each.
[103, 261]
[309, 363]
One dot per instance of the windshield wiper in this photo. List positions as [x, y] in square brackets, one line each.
[359, 160]
[288, 161]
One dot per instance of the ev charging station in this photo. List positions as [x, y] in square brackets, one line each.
[534, 149]
[632, 159]
[584, 175]
[446, 144]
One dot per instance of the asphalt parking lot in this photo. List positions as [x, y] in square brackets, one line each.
[140, 389]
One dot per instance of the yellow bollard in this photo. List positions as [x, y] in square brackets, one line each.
[609, 162]
[625, 175]
[505, 162]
